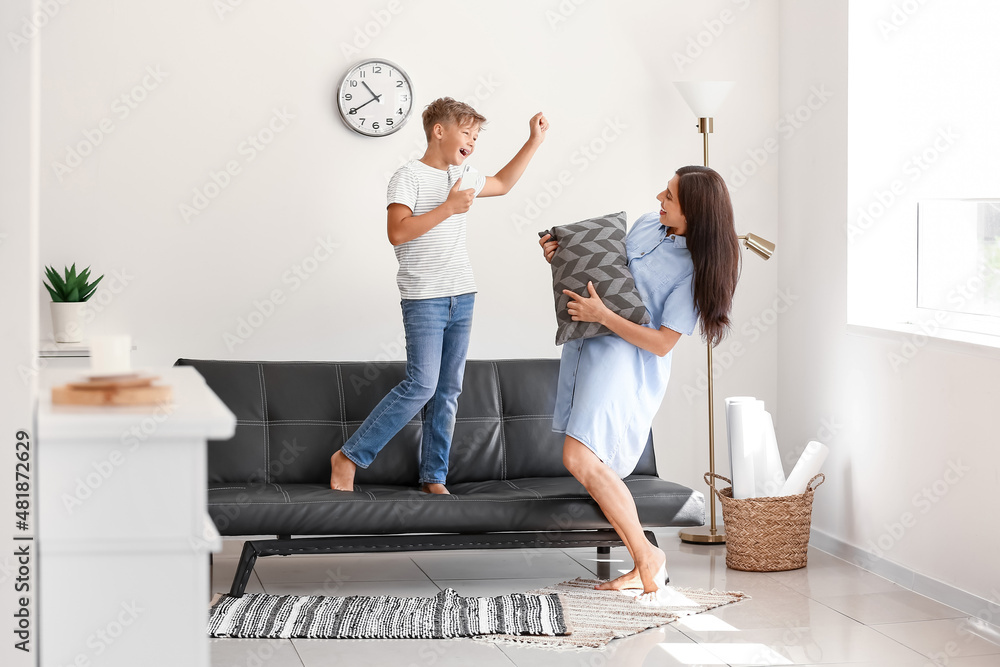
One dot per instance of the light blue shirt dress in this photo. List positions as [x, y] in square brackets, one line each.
[609, 390]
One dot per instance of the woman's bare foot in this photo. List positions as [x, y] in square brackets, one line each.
[342, 472]
[647, 579]
[629, 580]
[654, 572]
[435, 488]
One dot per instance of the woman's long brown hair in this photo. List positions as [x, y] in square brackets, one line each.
[714, 246]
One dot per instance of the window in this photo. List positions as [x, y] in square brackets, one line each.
[958, 263]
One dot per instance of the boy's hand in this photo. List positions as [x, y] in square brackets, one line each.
[460, 201]
[539, 126]
[549, 246]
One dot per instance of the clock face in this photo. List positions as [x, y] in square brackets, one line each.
[375, 98]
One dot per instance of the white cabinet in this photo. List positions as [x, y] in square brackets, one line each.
[123, 534]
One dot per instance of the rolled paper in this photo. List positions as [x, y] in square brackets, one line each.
[769, 476]
[743, 419]
[805, 469]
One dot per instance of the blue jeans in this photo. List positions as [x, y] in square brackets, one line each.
[437, 340]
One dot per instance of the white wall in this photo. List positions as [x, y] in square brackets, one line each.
[19, 323]
[601, 72]
[914, 463]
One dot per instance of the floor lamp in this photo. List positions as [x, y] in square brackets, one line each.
[704, 98]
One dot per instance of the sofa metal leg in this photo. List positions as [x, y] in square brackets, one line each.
[603, 562]
[244, 569]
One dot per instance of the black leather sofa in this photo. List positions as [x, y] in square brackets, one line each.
[508, 484]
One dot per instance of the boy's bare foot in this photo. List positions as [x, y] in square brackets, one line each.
[435, 488]
[342, 472]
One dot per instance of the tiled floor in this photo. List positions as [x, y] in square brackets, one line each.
[830, 613]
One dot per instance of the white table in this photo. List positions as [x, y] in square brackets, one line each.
[123, 533]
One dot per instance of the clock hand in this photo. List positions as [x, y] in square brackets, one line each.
[355, 110]
[374, 96]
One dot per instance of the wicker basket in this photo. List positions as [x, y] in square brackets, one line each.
[766, 534]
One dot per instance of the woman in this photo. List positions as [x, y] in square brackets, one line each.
[685, 262]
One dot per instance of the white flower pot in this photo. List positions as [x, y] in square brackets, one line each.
[67, 321]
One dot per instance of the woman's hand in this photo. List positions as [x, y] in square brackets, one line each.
[549, 246]
[584, 309]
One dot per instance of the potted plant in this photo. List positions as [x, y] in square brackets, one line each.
[69, 293]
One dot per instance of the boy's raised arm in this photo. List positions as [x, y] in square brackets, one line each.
[504, 180]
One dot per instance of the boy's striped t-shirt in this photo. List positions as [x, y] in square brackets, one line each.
[435, 264]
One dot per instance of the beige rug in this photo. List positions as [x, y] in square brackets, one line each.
[597, 617]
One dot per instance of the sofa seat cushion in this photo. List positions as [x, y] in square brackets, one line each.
[528, 504]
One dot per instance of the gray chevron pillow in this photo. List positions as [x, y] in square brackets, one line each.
[593, 250]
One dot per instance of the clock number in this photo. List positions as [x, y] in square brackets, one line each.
[352, 111]
[375, 125]
[388, 121]
[354, 84]
[348, 97]
[399, 84]
[362, 121]
[400, 111]
[361, 73]
[377, 69]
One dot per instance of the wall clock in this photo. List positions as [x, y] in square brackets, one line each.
[375, 98]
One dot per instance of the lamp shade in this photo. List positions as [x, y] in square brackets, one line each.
[704, 97]
[758, 245]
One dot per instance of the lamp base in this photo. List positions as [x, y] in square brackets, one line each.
[703, 535]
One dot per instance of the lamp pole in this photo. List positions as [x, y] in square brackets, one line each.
[713, 534]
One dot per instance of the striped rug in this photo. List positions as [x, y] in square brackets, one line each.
[598, 617]
[446, 615]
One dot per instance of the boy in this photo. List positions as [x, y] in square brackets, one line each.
[426, 224]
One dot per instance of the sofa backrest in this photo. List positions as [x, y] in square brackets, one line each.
[292, 416]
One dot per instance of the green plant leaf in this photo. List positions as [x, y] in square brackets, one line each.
[59, 285]
[55, 295]
[90, 289]
[71, 274]
[73, 296]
